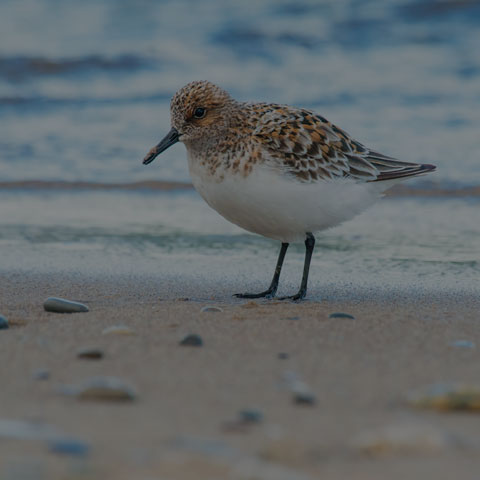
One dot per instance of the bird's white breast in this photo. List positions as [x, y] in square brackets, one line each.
[271, 204]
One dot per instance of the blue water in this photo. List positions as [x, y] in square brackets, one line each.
[84, 94]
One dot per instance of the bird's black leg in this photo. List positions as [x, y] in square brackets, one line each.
[309, 246]
[272, 289]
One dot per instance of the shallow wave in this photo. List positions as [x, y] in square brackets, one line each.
[17, 68]
[438, 10]
[39, 101]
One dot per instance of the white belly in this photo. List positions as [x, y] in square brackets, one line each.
[277, 207]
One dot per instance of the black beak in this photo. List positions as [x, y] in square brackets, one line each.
[168, 141]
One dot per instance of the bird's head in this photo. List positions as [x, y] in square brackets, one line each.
[200, 112]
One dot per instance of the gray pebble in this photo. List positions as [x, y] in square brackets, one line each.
[302, 393]
[304, 398]
[3, 323]
[103, 389]
[69, 446]
[61, 305]
[250, 415]
[41, 374]
[210, 308]
[192, 340]
[341, 315]
[283, 355]
[90, 353]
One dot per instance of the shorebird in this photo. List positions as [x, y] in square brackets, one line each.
[275, 170]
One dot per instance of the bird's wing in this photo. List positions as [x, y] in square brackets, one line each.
[308, 148]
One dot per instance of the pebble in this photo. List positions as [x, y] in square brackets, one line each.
[250, 415]
[41, 374]
[304, 398]
[302, 393]
[341, 315]
[60, 305]
[210, 308]
[90, 353]
[3, 323]
[404, 439]
[446, 396]
[283, 355]
[293, 318]
[103, 388]
[192, 340]
[69, 446]
[118, 330]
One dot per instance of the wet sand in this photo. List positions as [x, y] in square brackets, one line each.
[183, 423]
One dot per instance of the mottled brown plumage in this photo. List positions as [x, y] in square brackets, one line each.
[236, 136]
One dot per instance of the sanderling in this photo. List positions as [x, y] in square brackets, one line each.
[275, 170]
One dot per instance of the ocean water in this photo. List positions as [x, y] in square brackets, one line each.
[84, 94]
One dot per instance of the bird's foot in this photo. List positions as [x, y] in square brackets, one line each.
[295, 298]
[266, 294]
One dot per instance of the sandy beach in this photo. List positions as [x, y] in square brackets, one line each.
[272, 390]
[184, 422]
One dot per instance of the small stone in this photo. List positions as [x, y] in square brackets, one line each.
[283, 355]
[293, 318]
[69, 446]
[341, 315]
[445, 396]
[61, 305]
[41, 374]
[250, 415]
[3, 323]
[462, 344]
[244, 420]
[103, 389]
[118, 330]
[192, 340]
[304, 398]
[302, 393]
[90, 353]
[209, 308]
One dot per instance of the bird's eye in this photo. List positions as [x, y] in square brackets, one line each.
[199, 112]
